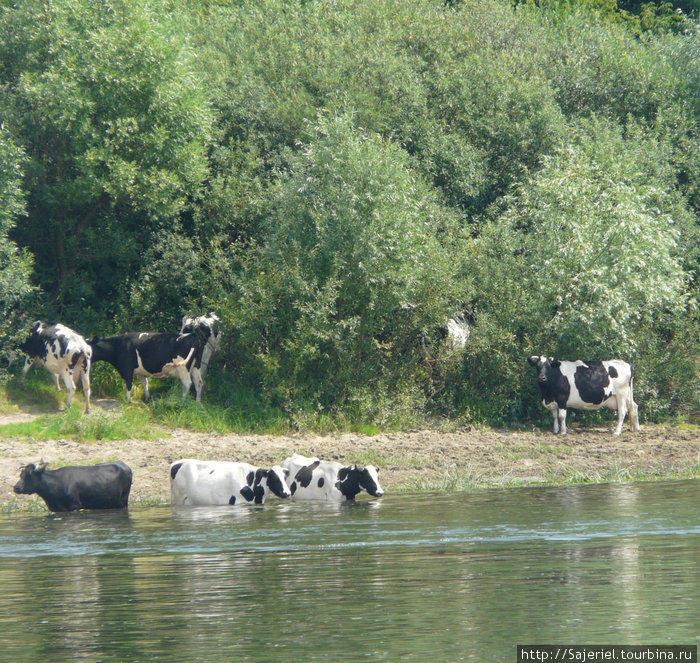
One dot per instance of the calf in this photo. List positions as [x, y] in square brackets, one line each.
[587, 385]
[314, 479]
[204, 483]
[152, 355]
[208, 328]
[64, 353]
[104, 486]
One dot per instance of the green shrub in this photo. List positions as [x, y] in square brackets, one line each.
[358, 262]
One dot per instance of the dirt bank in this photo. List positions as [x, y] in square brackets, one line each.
[420, 460]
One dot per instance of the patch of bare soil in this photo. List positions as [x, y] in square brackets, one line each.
[407, 460]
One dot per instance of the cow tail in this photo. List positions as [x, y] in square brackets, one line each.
[630, 403]
[184, 362]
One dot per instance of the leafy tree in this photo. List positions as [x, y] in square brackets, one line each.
[357, 264]
[15, 265]
[589, 254]
[104, 100]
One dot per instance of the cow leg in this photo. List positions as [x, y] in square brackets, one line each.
[561, 415]
[146, 393]
[186, 380]
[28, 363]
[555, 414]
[198, 382]
[621, 413]
[69, 381]
[632, 407]
[87, 392]
[634, 417]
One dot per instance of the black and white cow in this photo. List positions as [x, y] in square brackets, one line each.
[104, 486]
[208, 328]
[314, 479]
[152, 355]
[587, 385]
[211, 483]
[64, 353]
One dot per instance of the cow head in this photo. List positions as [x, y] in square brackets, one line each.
[101, 348]
[205, 326]
[351, 480]
[544, 366]
[29, 479]
[276, 481]
[33, 345]
[369, 480]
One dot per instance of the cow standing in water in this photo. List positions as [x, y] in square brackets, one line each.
[211, 483]
[64, 353]
[587, 385]
[103, 486]
[315, 479]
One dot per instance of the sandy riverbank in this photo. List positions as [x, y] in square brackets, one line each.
[408, 461]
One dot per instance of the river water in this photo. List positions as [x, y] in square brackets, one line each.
[419, 578]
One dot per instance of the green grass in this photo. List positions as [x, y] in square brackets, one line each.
[621, 473]
[98, 425]
[461, 480]
[226, 407]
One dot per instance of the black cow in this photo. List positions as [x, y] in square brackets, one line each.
[63, 352]
[104, 486]
[589, 385]
[153, 355]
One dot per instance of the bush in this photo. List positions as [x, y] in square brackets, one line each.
[358, 264]
[15, 264]
[586, 262]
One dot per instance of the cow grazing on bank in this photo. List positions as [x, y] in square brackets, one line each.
[208, 328]
[314, 479]
[212, 483]
[587, 385]
[64, 353]
[104, 486]
[152, 355]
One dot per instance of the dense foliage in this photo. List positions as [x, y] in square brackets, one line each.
[337, 179]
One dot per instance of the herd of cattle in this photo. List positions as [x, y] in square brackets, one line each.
[68, 356]
[201, 483]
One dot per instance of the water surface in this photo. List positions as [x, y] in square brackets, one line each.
[425, 577]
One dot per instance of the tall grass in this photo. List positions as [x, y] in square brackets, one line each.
[227, 406]
[131, 422]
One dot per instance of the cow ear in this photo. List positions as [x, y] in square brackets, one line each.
[286, 473]
[260, 474]
[533, 360]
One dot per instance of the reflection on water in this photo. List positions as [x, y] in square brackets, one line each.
[406, 578]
